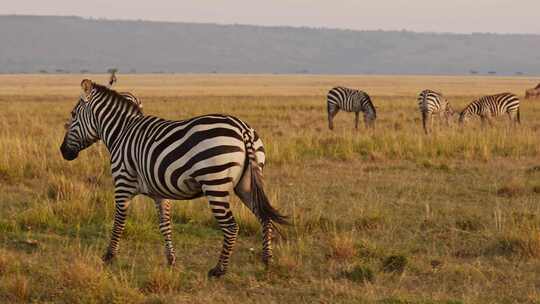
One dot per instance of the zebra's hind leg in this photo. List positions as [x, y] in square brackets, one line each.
[513, 118]
[218, 198]
[164, 215]
[250, 189]
[243, 190]
[425, 122]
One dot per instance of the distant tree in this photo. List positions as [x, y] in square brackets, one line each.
[473, 72]
[83, 71]
[519, 73]
[60, 71]
[492, 72]
[43, 72]
[112, 70]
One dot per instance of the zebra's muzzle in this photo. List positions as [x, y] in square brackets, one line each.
[67, 153]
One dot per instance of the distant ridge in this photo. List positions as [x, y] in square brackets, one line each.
[54, 44]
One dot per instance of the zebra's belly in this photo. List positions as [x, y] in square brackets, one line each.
[352, 109]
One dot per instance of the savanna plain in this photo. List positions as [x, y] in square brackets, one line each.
[387, 215]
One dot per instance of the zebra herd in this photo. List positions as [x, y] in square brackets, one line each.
[210, 156]
[430, 103]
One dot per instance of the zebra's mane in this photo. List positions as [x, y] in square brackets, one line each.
[118, 97]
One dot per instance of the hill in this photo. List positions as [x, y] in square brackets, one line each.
[74, 44]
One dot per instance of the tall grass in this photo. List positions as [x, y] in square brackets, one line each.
[458, 206]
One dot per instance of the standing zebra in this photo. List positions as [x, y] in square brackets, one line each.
[430, 103]
[349, 100]
[491, 106]
[210, 156]
[126, 95]
[112, 79]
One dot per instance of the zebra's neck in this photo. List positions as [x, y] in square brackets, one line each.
[472, 109]
[112, 116]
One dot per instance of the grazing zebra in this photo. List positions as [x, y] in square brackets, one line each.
[491, 106]
[210, 156]
[431, 102]
[349, 100]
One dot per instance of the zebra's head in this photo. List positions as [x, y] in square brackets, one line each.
[463, 116]
[449, 111]
[81, 130]
[370, 115]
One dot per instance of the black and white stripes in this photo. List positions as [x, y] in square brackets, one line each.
[491, 106]
[433, 103]
[212, 156]
[349, 100]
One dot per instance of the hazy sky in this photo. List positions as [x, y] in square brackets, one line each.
[501, 16]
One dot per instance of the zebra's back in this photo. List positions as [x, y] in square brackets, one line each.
[496, 104]
[491, 106]
[349, 100]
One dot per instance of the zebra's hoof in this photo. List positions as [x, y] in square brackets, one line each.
[216, 272]
[108, 257]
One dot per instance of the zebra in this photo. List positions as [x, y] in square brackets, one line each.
[350, 100]
[490, 106]
[431, 102]
[127, 95]
[210, 155]
[112, 79]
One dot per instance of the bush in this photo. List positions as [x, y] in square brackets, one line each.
[395, 263]
[361, 274]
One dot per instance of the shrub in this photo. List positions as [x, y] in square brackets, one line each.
[395, 263]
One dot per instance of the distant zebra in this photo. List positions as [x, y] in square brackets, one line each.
[112, 79]
[126, 95]
[211, 155]
[491, 106]
[430, 103]
[349, 100]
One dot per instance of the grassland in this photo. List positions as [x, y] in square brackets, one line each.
[385, 215]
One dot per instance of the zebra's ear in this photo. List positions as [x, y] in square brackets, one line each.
[86, 86]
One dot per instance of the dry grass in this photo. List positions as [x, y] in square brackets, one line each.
[386, 215]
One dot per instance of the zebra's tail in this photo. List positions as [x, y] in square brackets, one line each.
[260, 205]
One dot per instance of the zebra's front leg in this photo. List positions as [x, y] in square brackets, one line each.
[164, 214]
[356, 119]
[120, 214]
[490, 121]
[483, 121]
[219, 203]
[332, 112]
